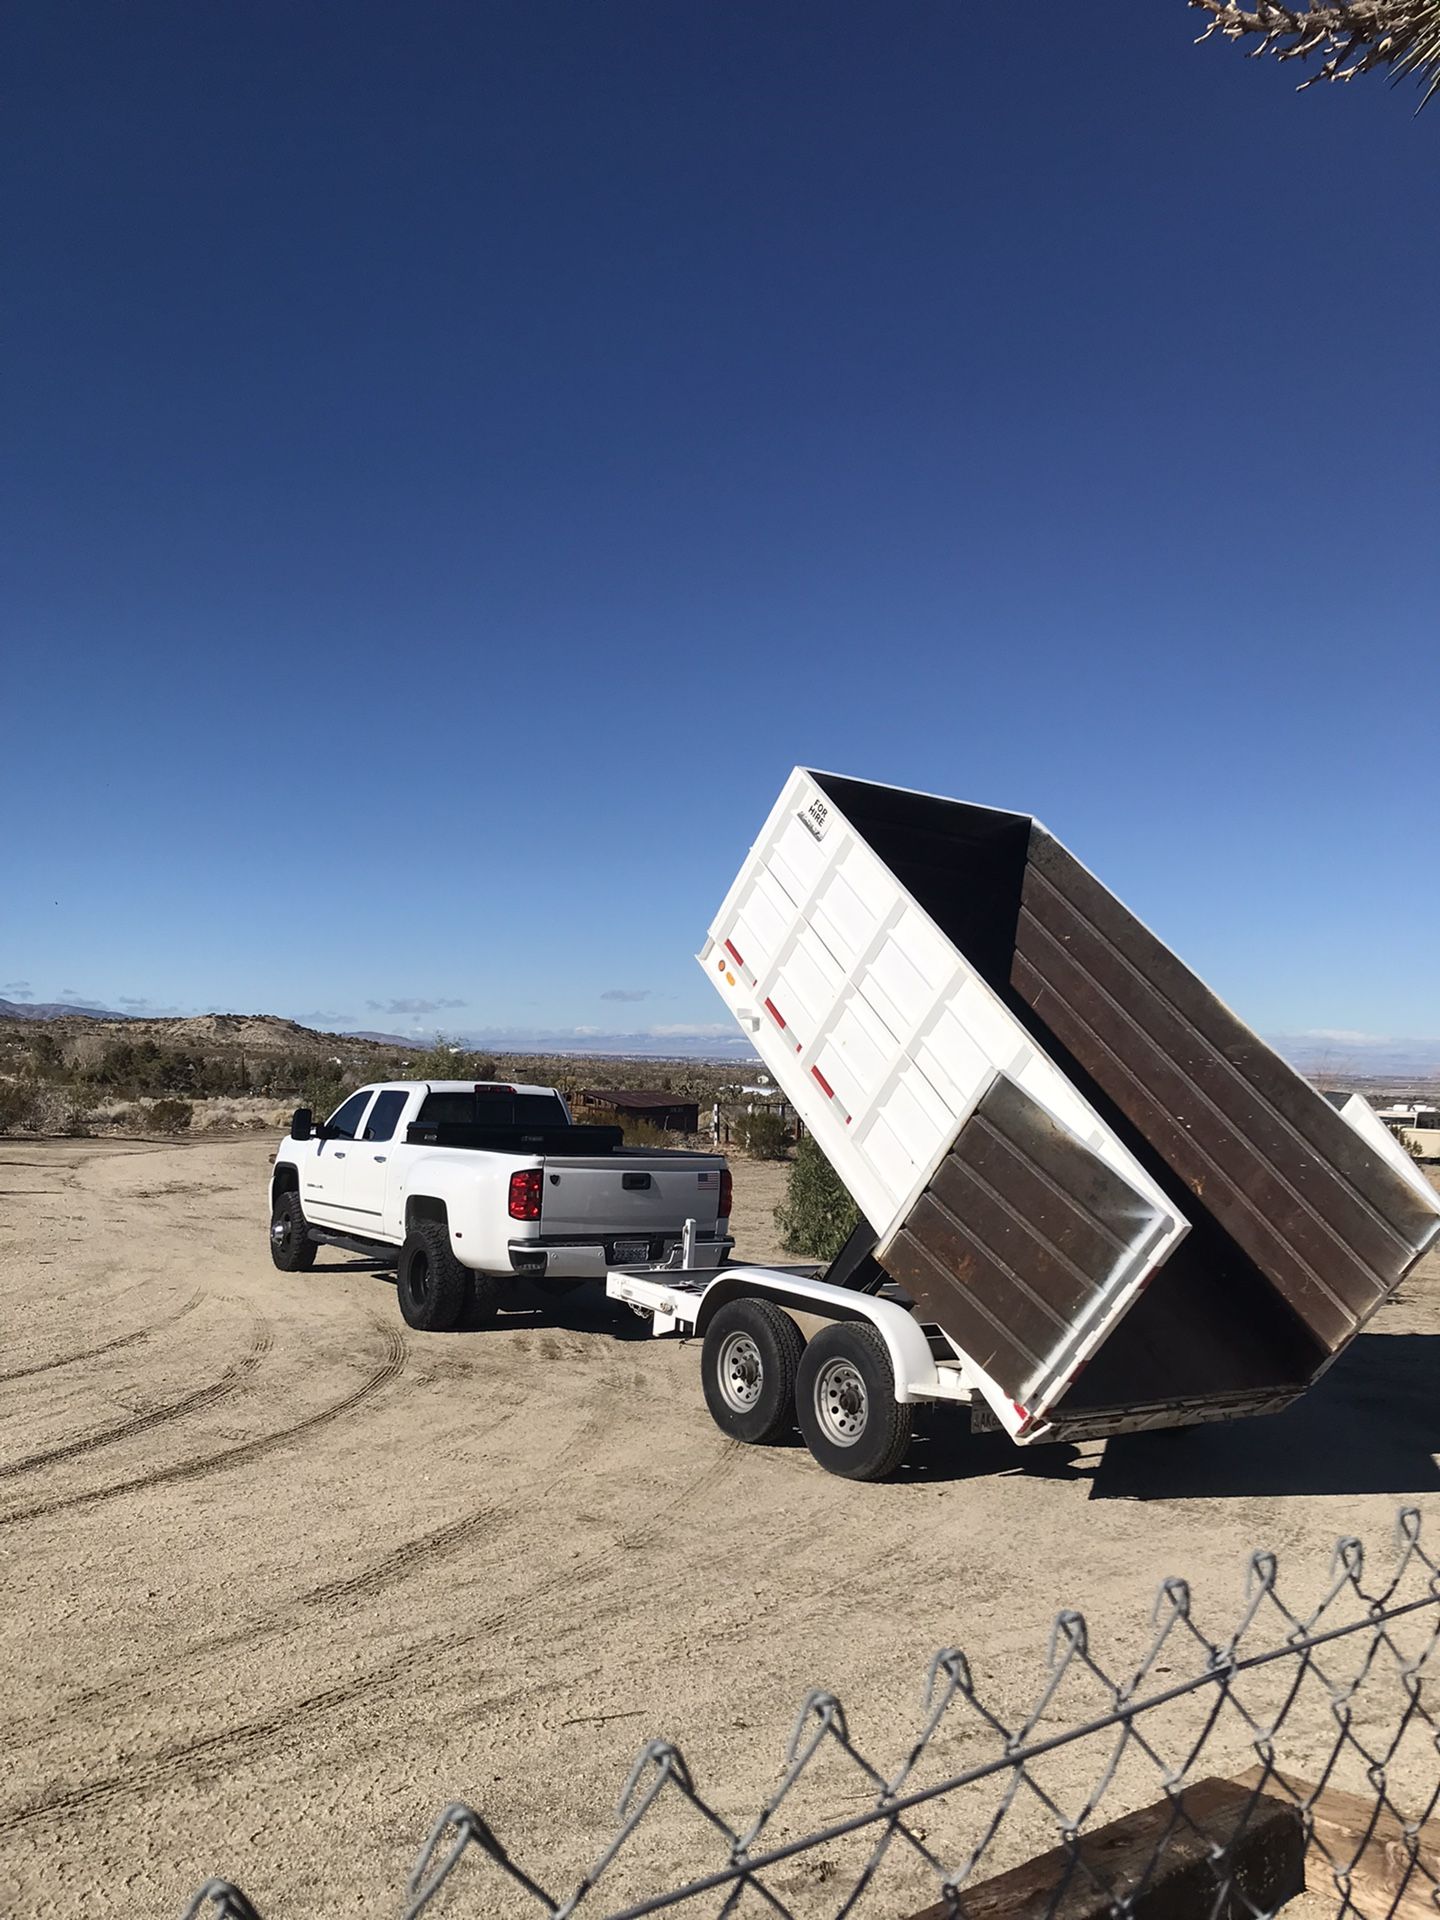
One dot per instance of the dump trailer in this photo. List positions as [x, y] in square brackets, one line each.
[1093, 1200]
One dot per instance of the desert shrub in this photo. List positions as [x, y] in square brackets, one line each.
[57, 1110]
[450, 1060]
[47, 1061]
[765, 1135]
[636, 1133]
[817, 1215]
[169, 1116]
[321, 1089]
[17, 1106]
[143, 1069]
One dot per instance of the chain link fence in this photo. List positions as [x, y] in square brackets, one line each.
[1195, 1759]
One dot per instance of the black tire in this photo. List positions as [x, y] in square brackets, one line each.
[433, 1287]
[291, 1247]
[484, 1298]
[845, 1402]
[747, 1366]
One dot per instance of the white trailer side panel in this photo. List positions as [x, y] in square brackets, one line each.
[885, 1039]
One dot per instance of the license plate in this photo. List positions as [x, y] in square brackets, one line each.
[631, 1252]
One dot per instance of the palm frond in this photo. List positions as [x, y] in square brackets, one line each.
[1348, 36]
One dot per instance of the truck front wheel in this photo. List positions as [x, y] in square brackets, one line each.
[291, 1247]
[433, 1287]
[845, 1400]
[748, 1364]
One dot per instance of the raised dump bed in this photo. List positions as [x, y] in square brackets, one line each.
[1113, 1200]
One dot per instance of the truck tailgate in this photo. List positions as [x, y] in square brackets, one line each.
[619, 1193]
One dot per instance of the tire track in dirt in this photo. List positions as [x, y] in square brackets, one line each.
[411, 1556]
[218, 1752]
[244, 1451]
[425, 1550]
[441, 1542]
[234, 1377]
[105, 1346]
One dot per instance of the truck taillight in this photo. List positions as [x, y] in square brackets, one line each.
[525, 1194]
[727, 1194]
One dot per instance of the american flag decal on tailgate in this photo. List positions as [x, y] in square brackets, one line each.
[708, 1179]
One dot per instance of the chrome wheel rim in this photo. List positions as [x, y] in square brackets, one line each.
[842, 1406]
[741, 1373]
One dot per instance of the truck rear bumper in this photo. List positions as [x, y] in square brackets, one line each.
[593, 1259]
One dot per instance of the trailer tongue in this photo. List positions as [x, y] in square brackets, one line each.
[1111, 1204]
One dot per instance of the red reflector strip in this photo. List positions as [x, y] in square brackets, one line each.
[734, 953]
[829, 1091]
[1021, 1414]
[775, 1013]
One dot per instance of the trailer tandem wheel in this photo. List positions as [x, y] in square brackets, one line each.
[845, 1400]
[747, 1366]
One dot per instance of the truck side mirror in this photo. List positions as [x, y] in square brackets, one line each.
[301, 1124]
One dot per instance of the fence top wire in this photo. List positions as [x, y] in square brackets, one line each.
[1346, 1687]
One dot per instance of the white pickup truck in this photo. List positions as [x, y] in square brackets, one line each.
[465, 1186]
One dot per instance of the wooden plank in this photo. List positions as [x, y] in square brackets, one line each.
[1240, 1124]
[1157, 1861]
[1386, 1881]
[1288, 1094]
[1070, 1199]
[1325, 1217]
[943, 1293]
[999, 1227]
[1019, 1231]
[1153, 1099]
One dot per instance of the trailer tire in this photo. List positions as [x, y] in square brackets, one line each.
[433, 1287]
[291, 1247]
[747, 1366]
[845, 1400]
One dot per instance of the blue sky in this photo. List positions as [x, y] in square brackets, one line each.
[460, 458]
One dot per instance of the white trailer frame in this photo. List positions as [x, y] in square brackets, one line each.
[680, 1301]
[683, 1299]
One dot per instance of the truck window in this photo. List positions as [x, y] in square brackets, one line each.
[493, 1109]
[386, 1111]
[346, 1118]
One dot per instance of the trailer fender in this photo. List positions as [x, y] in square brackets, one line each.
[909, 1350]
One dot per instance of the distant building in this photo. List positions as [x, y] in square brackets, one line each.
[661, 1109]
[1417, 1117]
[1415, 1123]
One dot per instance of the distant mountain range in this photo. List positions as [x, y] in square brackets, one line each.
[200, 1027]
[55, 1010]
[716, 1047]
[1320, 1055]
[1340, 1054]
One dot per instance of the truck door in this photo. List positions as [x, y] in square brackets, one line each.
[370, 1175]
[327, 1173]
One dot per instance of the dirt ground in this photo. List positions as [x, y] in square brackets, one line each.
[281, 1578]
